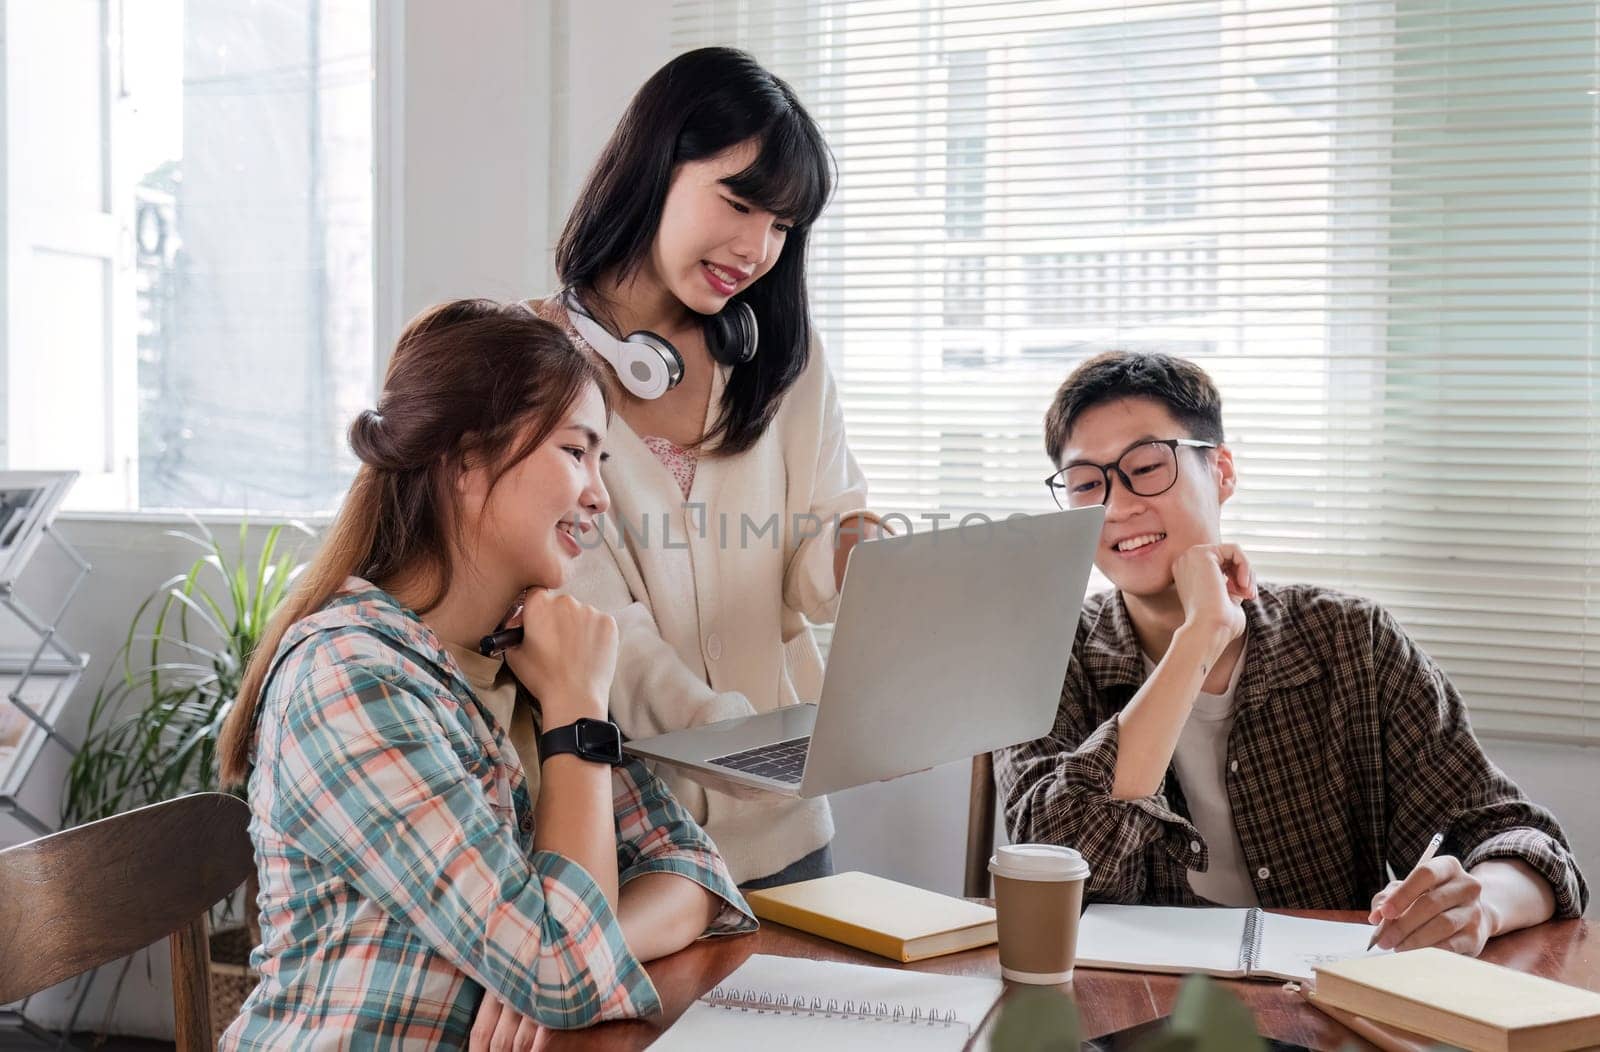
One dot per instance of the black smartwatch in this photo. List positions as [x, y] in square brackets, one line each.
[596, 740]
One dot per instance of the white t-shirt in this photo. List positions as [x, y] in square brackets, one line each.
[1200, 762]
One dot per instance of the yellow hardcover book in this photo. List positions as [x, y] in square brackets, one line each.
[1469, 1003]
[881, 916]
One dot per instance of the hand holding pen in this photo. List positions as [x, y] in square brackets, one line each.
[1393, 889]
[563, 651]
[1441, 903]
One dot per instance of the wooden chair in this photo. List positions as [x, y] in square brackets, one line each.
[84, 897]
[980, 828]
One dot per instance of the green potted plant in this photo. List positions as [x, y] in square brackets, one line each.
[152, 729]
[153, 726]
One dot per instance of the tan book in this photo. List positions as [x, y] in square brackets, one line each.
[1467, 1002]
[881, 916]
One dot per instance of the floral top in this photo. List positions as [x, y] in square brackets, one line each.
[679, 462]
[394, 841]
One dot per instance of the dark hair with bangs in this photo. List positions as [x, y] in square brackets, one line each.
[696, 106]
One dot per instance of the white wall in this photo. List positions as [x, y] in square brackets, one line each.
[611, 48]
[473, 102]
[505, 104]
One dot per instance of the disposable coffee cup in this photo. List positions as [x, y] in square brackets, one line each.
[1038, 895]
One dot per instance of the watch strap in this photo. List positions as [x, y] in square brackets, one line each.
[571, 739]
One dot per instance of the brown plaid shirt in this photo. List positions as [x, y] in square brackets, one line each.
[1349, 749]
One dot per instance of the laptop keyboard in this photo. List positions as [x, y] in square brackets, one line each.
[781, 761]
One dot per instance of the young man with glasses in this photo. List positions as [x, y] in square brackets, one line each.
[1224, 740]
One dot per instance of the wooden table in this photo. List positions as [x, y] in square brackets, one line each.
[1107, 1001]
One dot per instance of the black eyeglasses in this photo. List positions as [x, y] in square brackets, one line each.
[1147, 470]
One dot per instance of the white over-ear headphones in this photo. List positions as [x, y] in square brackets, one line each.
[647, 364]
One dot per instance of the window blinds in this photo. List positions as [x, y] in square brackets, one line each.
[1376, 224]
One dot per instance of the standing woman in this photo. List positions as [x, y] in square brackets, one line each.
[433, 868]
[735, 497]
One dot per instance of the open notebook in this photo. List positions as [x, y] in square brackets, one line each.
[1232, 943]
[793, 1002]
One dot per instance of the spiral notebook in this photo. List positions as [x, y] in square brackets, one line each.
[1229, 943]
[793, 1002]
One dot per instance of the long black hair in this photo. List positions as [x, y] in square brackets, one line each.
[696, 106]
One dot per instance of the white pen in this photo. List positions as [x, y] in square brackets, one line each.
[1433, 849]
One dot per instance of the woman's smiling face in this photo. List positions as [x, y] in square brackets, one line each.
[529, 526]
[712, 244]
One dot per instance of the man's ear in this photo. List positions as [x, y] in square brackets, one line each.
[1227, 474]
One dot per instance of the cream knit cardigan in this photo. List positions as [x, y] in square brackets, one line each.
[712, 594]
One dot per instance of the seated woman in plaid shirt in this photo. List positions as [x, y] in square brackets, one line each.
[432, 869]
[1223, 740]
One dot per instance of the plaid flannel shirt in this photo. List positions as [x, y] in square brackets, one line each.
[394, 841]
[1349, 749]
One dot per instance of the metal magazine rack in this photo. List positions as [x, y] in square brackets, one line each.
[39, 675]
[39, 670]
[36, 683]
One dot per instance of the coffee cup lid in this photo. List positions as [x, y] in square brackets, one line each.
[1038, 862]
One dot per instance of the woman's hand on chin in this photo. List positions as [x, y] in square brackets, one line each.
[567, 656]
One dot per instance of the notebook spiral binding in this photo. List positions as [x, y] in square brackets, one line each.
[1250, 943]
[748, 1000]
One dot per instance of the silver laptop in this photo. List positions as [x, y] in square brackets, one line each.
[948, 643]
